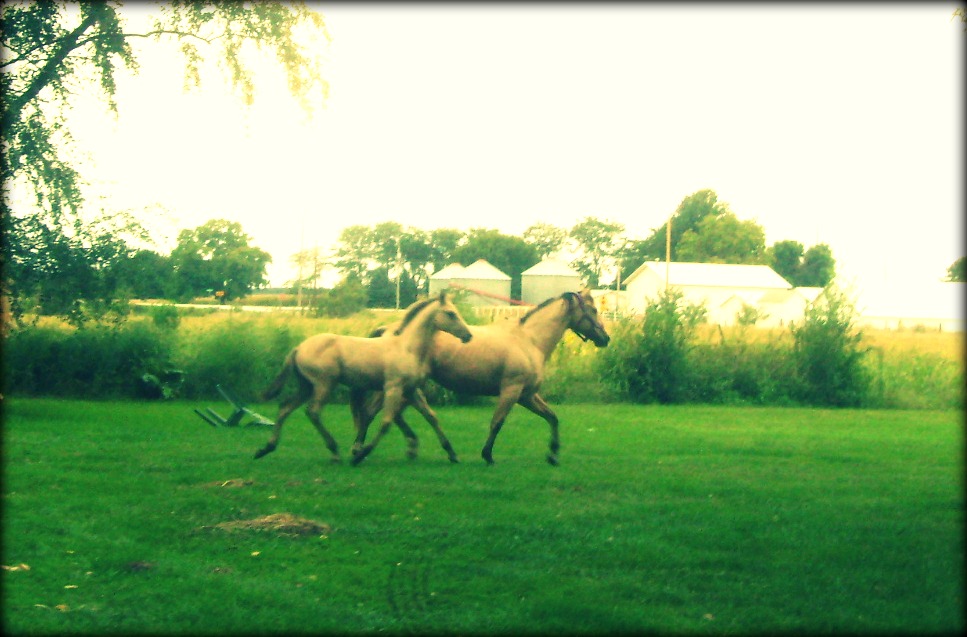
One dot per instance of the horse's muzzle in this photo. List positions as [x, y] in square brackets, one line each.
[466, 339]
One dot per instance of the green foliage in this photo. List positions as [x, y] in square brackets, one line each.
[722, 238]
[734, 366]
[55, 250]
[957, 272]
[829, 356]
[815, 267]
[216, 256]
[599, 242]
[165, 316]
[242, 355]
[345, 299]
[653, 365]
[95, 361]
[546, 238]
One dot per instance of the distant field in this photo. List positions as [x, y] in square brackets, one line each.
[704, 520]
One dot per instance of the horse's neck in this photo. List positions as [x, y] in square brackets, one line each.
[545, 328]
[418, 335]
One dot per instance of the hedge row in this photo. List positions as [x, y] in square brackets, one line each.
[657, 359]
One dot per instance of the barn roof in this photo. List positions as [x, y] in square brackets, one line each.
[550, 267]
[448, 271]
[713, 275]
[480, 269]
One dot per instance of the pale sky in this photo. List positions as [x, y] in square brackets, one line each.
[822, 122]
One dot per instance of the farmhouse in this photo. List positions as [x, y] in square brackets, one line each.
[550, 277]
[485, 285]
[726, 290]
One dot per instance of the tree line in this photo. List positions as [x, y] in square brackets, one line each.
[379, 266]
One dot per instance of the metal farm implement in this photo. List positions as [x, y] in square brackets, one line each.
[235, 419]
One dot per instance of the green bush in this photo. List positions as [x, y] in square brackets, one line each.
[94, 361]
[240, 354]
[828, 355]
[345, 299]
[739, 371]
[652, 362]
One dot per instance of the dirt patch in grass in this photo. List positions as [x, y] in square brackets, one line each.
[233, 483]
[281, 523]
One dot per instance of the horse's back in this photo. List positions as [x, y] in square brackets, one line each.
[351, 360]
[482, 365]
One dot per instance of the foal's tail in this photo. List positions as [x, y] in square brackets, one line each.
[288, 367]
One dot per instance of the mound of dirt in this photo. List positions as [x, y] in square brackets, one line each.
[281, 523]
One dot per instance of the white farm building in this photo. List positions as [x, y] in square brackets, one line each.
[482, 283]
[726, 291]
[550, 277]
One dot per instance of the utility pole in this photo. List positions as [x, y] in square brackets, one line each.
[399, 271]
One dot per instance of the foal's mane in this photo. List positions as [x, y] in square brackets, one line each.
[412, 312]
[543, 304]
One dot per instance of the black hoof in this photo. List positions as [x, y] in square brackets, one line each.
[551, 460]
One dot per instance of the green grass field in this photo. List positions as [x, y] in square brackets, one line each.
[659, 519]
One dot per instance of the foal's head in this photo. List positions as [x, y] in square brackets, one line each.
[445, 317]
[448, 319]
[583, 317]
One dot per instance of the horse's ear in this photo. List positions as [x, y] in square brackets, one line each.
[443, 297]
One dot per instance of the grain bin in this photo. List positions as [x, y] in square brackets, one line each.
[550, 277]
[440, 281]
[485, 284]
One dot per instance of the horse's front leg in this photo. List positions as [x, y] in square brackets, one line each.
[509, 394]
[537, 405]
[392, 405]
[419, 402]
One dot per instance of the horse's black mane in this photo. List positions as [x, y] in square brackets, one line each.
[413, 311]
[542, 306]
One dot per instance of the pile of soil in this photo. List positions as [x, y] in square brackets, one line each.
[281, 523]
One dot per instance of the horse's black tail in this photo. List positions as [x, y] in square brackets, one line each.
[379, 331]
[288, 367]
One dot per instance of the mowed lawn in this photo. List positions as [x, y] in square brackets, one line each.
[659, 519]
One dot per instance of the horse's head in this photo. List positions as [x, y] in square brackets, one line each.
[584, 320]
[448, 319]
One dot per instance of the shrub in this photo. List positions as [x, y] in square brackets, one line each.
[828, 355]
[651, 363]
[99, 360]
[347, 298]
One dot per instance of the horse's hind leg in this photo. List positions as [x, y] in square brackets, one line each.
[285, 409]
[319, 397]
[537, 405]
[419, 402]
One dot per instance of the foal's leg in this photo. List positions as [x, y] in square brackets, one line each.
[319, 397]
[419, 402]
[368, 412]
[285, 409]
[509, 395]
[537, 405]
[392, 405]
[361, 419]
